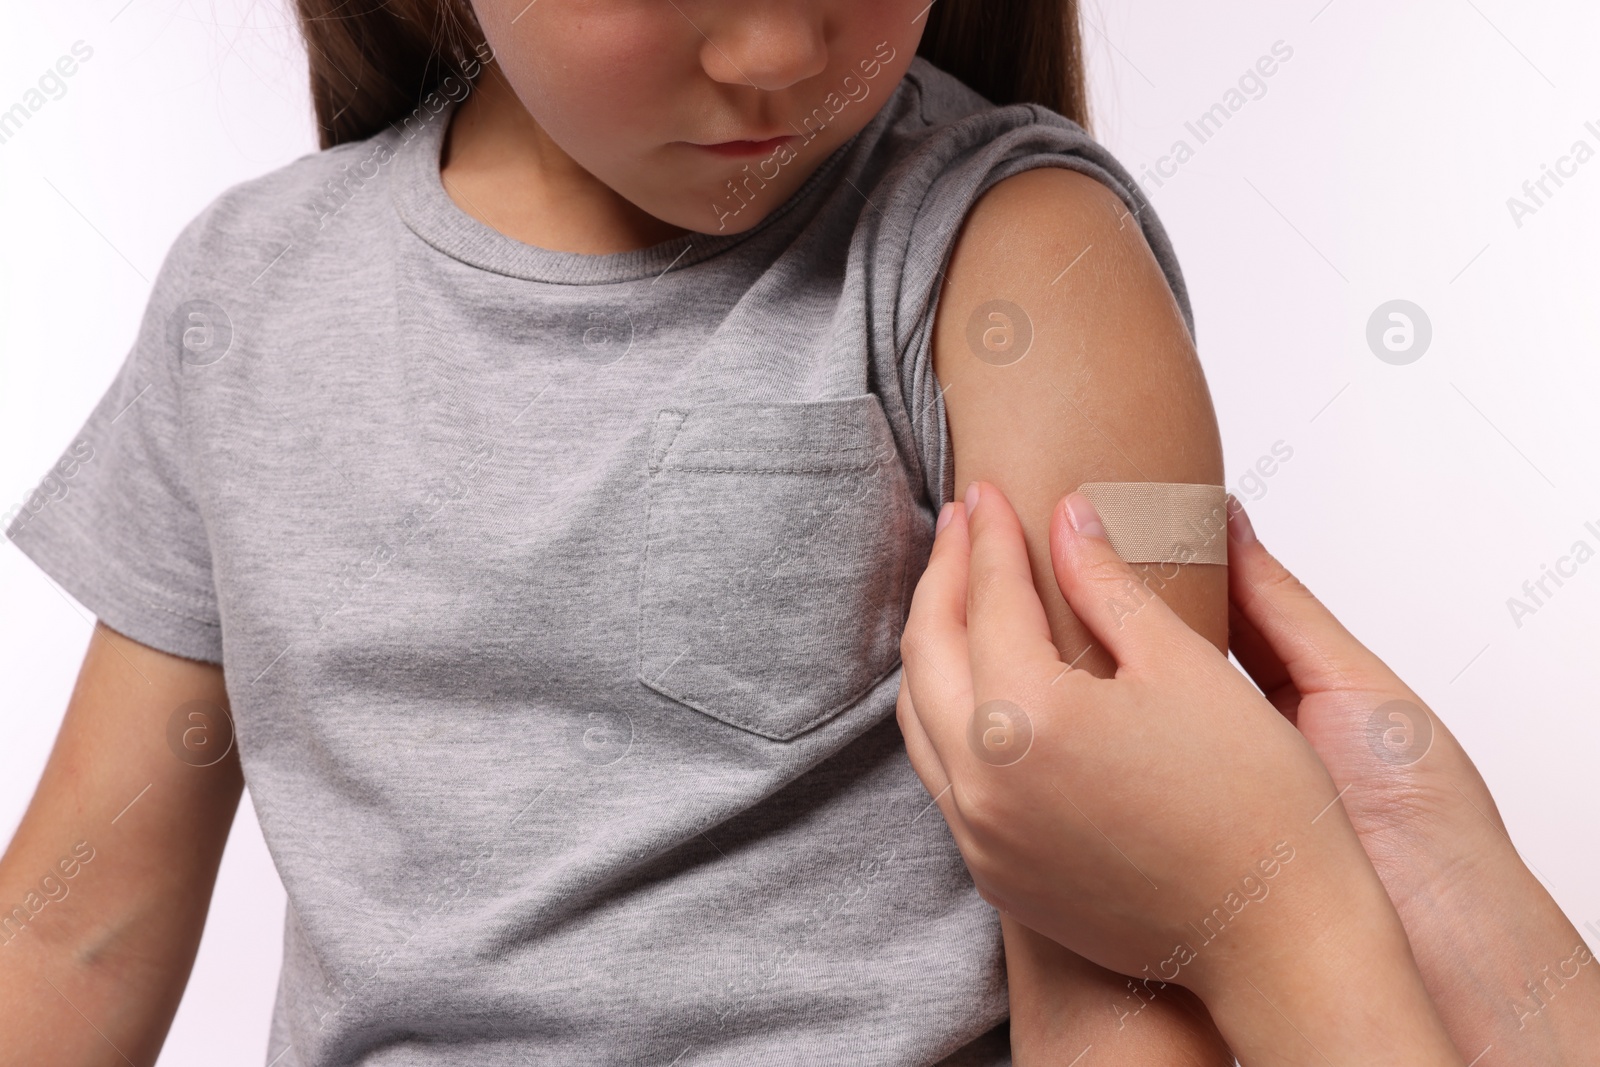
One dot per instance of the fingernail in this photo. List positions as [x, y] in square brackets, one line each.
[971, 498]
[1084, 518]
[1239, 527]
[945, 514]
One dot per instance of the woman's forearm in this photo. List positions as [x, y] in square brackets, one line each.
[1511, 977]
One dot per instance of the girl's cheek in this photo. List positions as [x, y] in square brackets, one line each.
[601, 95]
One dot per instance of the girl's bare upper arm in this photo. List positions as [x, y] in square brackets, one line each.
[105, 885]
[1109, 389]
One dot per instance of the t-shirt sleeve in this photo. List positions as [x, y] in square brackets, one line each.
[115, 521]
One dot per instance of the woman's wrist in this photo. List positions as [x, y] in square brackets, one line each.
[1502, 963]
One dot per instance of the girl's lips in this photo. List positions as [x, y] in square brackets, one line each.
[746, 148]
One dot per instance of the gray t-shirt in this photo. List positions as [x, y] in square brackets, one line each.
[559, 597]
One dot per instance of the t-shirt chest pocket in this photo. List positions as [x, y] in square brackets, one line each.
[776, 544]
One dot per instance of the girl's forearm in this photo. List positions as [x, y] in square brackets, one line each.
[1333, 983]
[90, 995]
[1062, 1006]
[104, 887]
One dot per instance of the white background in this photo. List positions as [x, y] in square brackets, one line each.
[1377, 166]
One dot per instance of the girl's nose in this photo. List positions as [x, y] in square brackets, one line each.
[767, 44]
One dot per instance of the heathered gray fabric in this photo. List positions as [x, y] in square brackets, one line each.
[558, 598]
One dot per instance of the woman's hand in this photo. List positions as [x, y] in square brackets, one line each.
[1401, 774]
[1509, 974]
[1166, 823]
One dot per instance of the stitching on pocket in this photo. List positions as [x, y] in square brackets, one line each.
[790, 451]
[664, 449]
[768, 470]
[683, 420]
[877, 457]
[644, 574]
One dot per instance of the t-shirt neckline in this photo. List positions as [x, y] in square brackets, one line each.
[424, 205]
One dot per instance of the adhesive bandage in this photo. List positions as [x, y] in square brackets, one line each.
[1163, 522]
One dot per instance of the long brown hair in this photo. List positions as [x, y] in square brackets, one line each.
[1012, 51]
[374, 61]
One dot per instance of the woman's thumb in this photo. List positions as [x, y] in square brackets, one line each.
[1314, 647]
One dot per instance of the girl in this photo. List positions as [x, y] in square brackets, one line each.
[536, 481]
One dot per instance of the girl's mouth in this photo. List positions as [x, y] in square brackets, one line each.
[746, 148]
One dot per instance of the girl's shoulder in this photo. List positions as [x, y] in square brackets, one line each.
[939, 147]
[310, 203]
